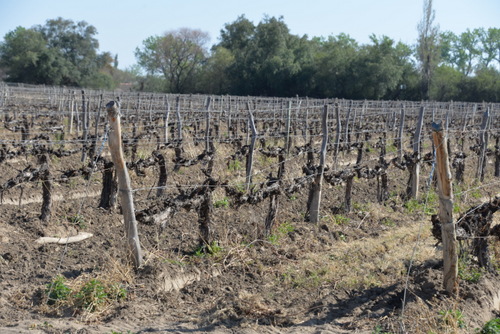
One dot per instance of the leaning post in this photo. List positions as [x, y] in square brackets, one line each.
[124, 189]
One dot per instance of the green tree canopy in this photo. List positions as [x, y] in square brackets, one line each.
[60, 52]
[177, 55]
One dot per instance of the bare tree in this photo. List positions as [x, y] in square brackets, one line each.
[428, 47]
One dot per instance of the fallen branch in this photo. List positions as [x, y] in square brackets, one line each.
[63, 241]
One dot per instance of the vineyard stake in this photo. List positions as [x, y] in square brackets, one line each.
[179, 118]
[483, 142]
[251, 149]
[400, 134]
[415, 168]
[165, 120]
[315, 194]
[124, 188]
[337, 138]
[207, 128]
[450, 257]
[85, 125]
[287, 129]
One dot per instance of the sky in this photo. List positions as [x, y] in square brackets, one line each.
[123, 25]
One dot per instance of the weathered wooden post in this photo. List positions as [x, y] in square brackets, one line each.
[85, 124]
[483, 143]
[450, 255]
[207, 124]
[124, 188]
[251, 149]
[287, 127]
[337, 139]
[415, 168]
[314, 200]
[72, 111]
[179, 118]
[165, 120]
[400, 133]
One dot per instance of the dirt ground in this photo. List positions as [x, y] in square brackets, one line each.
[376, 269]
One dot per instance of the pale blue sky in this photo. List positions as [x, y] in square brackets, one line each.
[122, 25]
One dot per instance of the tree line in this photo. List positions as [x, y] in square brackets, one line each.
[265, 59]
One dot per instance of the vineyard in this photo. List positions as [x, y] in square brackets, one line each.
[253, 214]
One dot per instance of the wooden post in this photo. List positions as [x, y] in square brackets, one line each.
[347, 141]
[415, 172]
[251, 149]
[96, 129]
[72, 112]
[497, 156]
[124, 188]
[400, 134]
[450, 255]
[179, 118]
[337, 139]
[207, 127]
[483, 142]
[287, 129]
[306, 126]
[229, 126]
[85, 127]
[165, 120]
[315, 192]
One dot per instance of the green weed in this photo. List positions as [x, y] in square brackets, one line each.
[414, 205]
[452, 318]
[305, 279]
[388, 222]
[78, 220]
[282, 230]
[234, 165]
[467, 271]
[95, 293]
[208, 249]
[222, 203]
[337, 219]
[491, 327]
[89, 296]
[57, 290]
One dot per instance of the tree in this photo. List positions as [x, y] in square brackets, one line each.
[377, 70]
[334, 57]
[177, 55]
[237, 38]
[76, 43]
[26, 58]
[490, 45]
[272, 60]
[237, 35]
[427, 47]
[214, 78]
[446, 83]
[268, 60]
[484, 86]
[60, 52]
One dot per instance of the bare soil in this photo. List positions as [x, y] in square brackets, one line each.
[374, 270]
